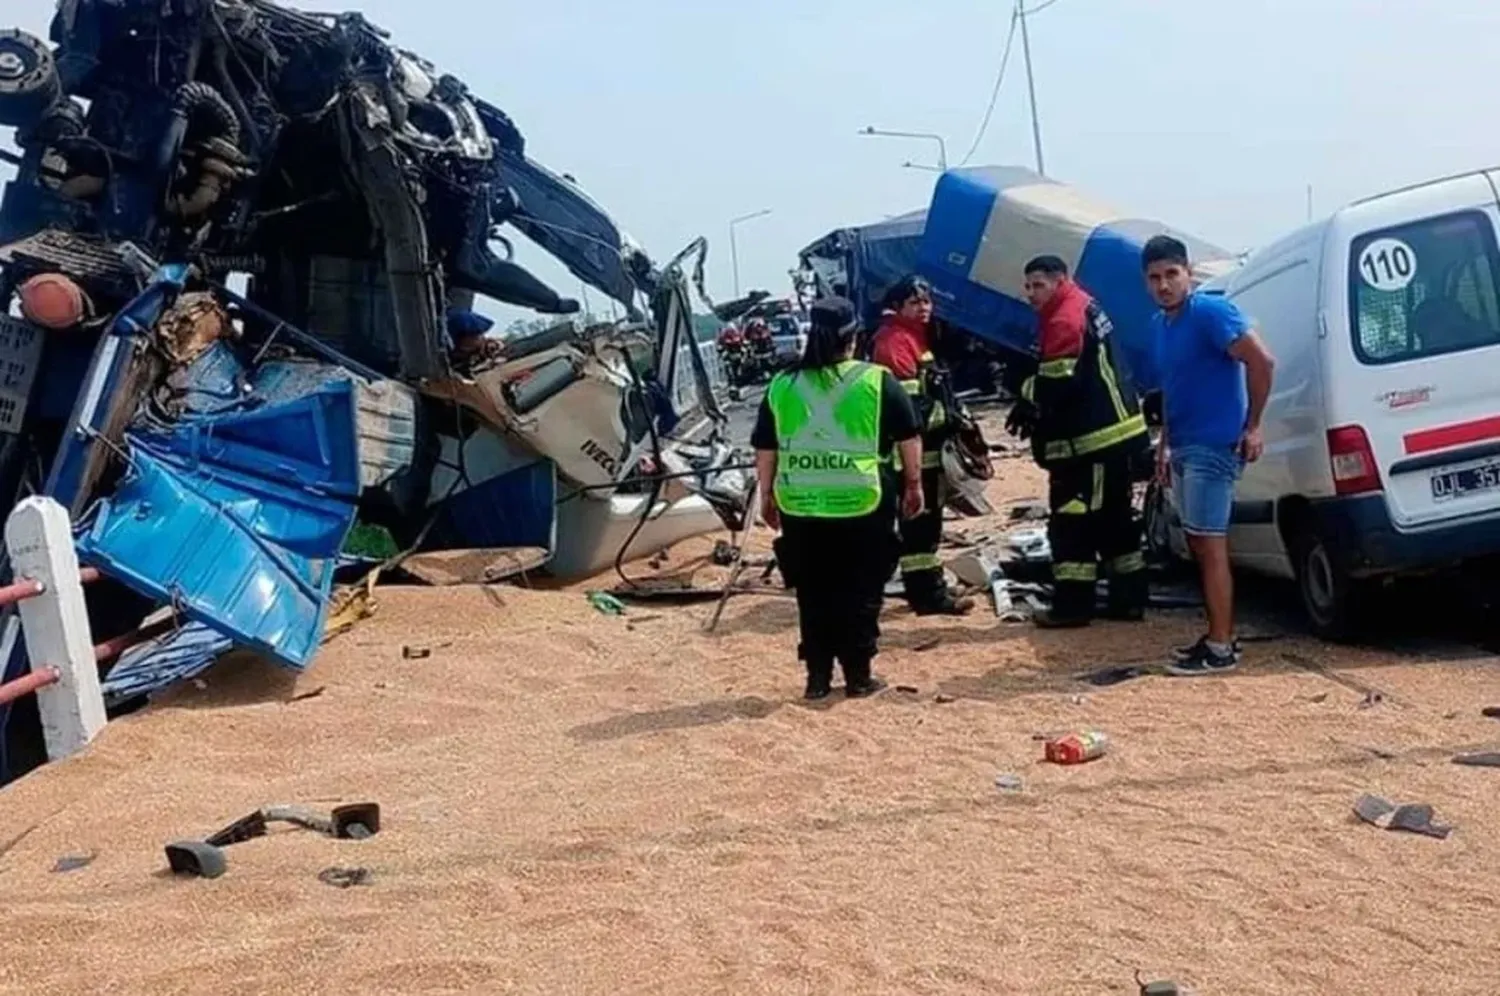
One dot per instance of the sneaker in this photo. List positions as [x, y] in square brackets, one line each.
[1201, 660]
[1183, 653]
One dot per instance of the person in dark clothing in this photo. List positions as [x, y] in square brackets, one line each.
[1087, 431]
[824, 441]
[903, 345]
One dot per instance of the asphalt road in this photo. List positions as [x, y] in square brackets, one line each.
[741, 414]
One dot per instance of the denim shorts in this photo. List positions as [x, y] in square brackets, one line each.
[1203, 480]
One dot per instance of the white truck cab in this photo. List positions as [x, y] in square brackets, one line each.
[1383, 427]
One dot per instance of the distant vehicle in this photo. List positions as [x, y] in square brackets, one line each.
[1383, 430]
[973, 241]
[774, 334]
[789, 338]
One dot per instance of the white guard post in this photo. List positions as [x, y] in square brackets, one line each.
[55, 624]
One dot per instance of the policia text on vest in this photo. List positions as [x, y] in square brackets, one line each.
[828, 440]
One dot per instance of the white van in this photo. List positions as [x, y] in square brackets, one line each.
[1383, 427]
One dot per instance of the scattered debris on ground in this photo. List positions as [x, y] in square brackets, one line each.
[1479, 759]
[346, 878]
[1411, 817]
[73, 862]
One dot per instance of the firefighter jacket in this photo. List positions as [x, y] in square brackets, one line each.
[903, 348]
[1085, 406]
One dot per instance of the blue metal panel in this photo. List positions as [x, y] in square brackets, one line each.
[213, 383]
[962, 202]
[309, 440]
[250, 558]
[179, 655]
[514, 509]
[110, 365]
[1110, 270]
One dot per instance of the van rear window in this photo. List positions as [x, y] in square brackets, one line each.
[1425, 288]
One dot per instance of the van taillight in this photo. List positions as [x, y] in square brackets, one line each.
[1354, 469]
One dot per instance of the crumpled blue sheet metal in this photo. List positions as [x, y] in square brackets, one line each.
[236, 512]
[383, 413]
[308, 440]
[183, 653]
[250, 558]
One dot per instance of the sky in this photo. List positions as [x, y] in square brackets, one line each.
[1213, 116]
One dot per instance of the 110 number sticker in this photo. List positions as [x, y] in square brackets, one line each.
[1388, 264]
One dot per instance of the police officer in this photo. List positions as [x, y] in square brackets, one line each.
[823, 456]
[1087, 431]
[903, 346]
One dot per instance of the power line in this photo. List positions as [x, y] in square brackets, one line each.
[1017, 13]
[989, 111]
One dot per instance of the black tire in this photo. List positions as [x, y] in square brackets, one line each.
[1335, 603]
[29, 84]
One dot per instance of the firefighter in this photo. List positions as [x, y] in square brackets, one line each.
[1087, 431]
[904, 347]
[824, 440]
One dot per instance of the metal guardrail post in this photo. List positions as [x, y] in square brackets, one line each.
[55, 624]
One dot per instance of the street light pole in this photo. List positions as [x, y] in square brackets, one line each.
[734, 252]
[1036, 125]
[926, 136]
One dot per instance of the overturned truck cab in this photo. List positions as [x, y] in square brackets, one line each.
[230, 257]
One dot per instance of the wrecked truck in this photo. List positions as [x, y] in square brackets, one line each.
[972, 243]
[229, 260]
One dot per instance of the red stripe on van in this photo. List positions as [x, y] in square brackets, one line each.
[1447, 436]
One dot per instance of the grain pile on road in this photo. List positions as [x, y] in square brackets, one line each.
[583, 803]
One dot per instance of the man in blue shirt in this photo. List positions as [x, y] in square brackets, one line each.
[1215, 379]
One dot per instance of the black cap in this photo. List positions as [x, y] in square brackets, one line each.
[833, 313]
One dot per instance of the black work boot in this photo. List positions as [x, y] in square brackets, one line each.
[859, 682]
[1072, 606]
[819, 680]
[1128, 595]
[944, 604]
[1056, 619]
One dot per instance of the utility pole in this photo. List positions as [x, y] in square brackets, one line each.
[1309, 202]
[734, 250]
[1036, 125]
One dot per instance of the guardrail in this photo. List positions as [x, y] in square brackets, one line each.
[685, 391]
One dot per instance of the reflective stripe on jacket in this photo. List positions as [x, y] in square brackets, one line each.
[827, 440]
[1084, 405]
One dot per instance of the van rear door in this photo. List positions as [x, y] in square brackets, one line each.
[1423, 297]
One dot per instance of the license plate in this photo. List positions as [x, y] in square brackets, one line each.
[1450, 484]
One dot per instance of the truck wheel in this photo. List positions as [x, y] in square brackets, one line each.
[1334, 601]
[29, 84]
